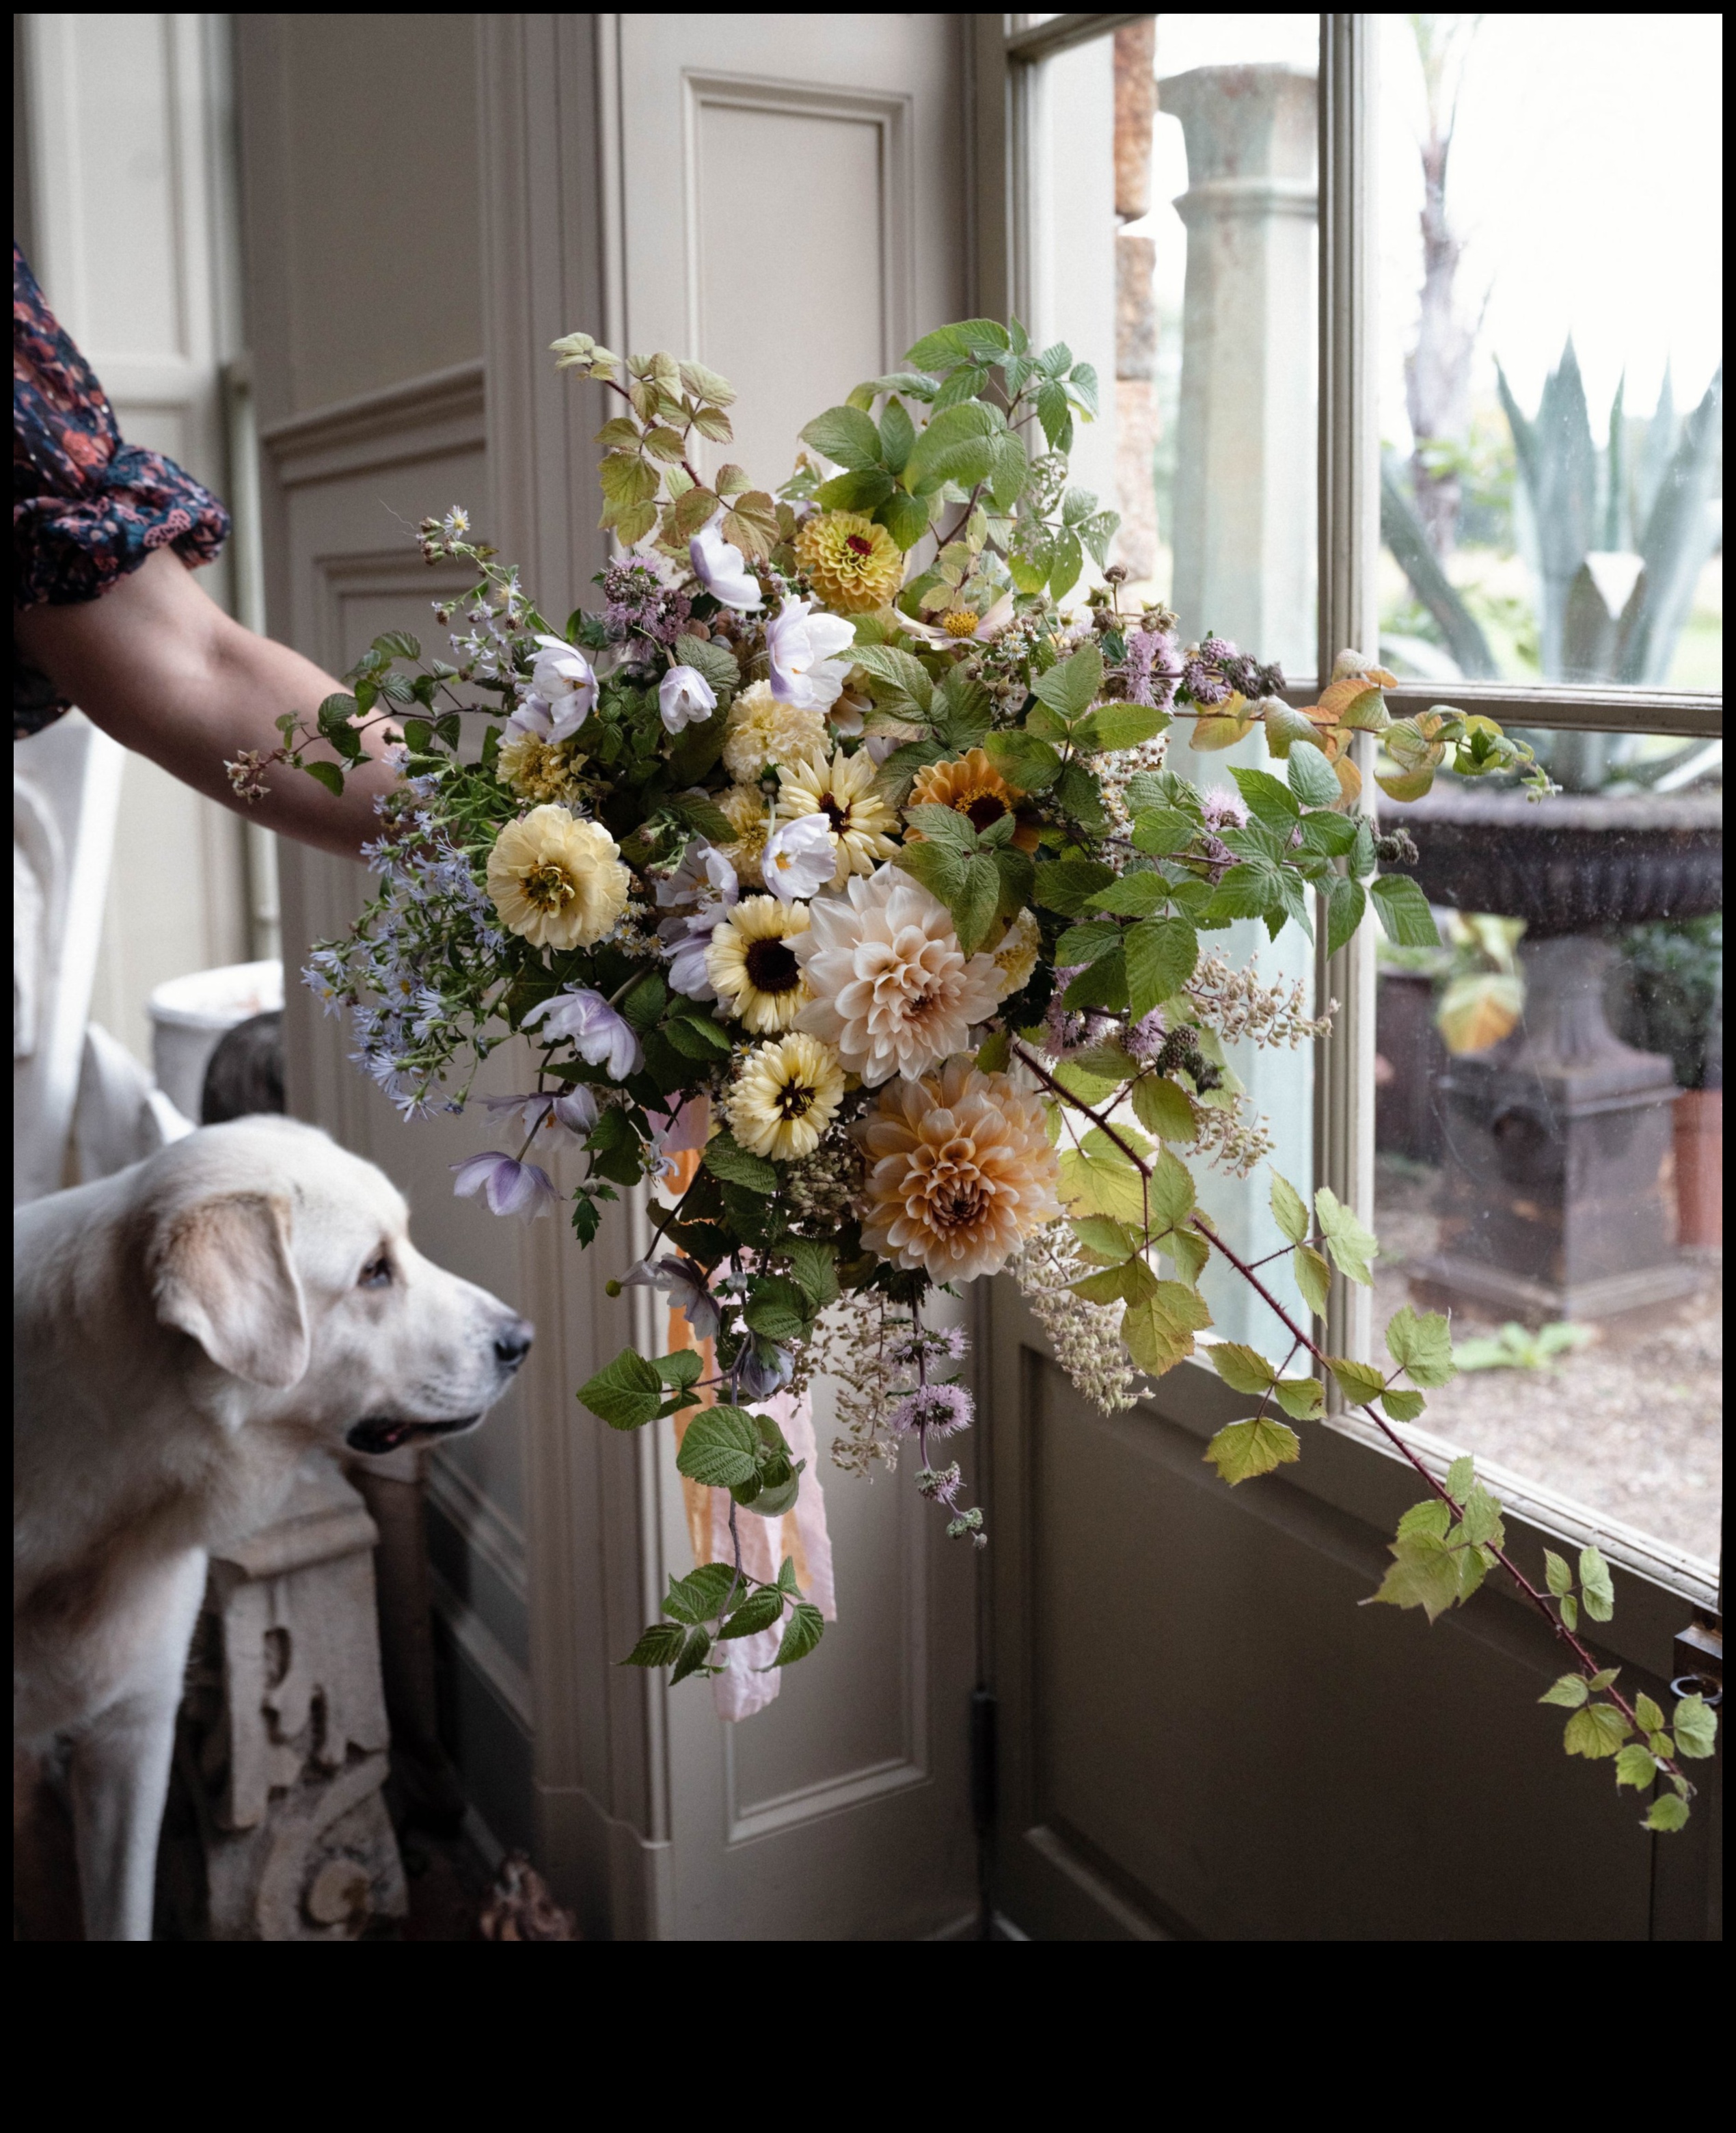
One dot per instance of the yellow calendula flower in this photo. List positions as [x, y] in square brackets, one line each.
[854, 565]
[752, 968]
[763, 730]
[557, 881]
[786, 1095]
[841, 787]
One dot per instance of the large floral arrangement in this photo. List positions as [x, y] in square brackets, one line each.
[833, 869]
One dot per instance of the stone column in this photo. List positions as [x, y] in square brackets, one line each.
[1136, 314]
[1244, 530]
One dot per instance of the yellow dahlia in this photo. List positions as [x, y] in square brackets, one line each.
[841, 787]
[558, 881]
[745, 807]
[536, 769]
[855, 566]
[971, 786]
[786, 1095]
[752, 968]
[761, 730]
[960, 1172]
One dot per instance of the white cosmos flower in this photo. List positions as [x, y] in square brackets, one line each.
[684, 698]
[799, 858]
[802, 647]
[718, 566]
[961, 627]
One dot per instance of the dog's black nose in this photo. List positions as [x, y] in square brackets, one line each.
[514, 1345]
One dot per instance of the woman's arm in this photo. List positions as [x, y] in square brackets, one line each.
[158, 665]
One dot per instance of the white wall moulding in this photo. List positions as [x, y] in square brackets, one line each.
[424, 418]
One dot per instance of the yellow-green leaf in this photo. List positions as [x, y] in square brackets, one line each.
[1101, 1238]
[1569, 1691]
[1163, 1108]
[1422, 1344]
[1649, 1714]
[1668, 1813]
[1241, 1450]
[1094, 1181]
[1597, 1731]
[1352, 1246]
[1243, 1368]
[1356, 1381]
[1289, 1209]
[1424, 1574]
[1596, 1590]
[1696, 1725]
[1313, 1278]
[1158, 1332]
[1302, 1399]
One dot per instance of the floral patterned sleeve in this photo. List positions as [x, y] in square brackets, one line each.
[87, 509]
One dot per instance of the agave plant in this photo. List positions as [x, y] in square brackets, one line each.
[1617, 541]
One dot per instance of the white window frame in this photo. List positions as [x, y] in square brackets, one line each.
[1004, 51]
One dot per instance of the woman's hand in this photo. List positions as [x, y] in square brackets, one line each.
[158, 665]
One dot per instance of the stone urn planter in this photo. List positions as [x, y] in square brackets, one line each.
[1558, 1184]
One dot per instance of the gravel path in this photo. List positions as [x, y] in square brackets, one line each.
[1631, 1425]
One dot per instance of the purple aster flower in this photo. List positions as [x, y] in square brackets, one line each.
[938, 1410]
[600, 1037]
[683, 1281]
[510, 1187]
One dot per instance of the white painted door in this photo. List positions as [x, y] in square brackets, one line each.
[783, 196]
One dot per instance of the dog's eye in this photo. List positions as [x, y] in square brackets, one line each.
[376, 1274]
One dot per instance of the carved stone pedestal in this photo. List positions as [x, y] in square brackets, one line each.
[277, 1830]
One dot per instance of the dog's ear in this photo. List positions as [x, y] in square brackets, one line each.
[222, 1271]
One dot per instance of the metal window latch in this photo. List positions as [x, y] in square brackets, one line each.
[1697, 1667]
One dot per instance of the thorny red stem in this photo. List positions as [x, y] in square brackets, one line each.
[1539, 1600]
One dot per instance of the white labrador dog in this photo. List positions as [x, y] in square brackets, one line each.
[185, 1332]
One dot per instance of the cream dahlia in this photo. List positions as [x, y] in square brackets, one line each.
[753, 966]
[557, 881]
[786, 1095]
[743, 807]
[763, 730]
[841, 787]
[537, 769]
[892, 991]
[855, 566]
[960, 1172]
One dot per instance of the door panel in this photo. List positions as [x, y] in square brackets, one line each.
[1204, 1735]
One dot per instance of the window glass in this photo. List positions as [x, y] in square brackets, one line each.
[1551, 192]
[1549, 1127]
[1173, 242]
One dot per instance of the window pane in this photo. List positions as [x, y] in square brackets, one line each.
[1175, 248]
[1549, 1122]
[1551, 348]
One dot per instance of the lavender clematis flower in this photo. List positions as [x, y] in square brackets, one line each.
[718, 565]
[764, 1369]
[801, 646]
[684, 698]
[800, 858]
[510, 1187]
[572, 1112]
[562, 694]
[684, 1282]
[686, 936]
[601, 1036]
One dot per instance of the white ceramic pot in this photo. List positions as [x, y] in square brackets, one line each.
[190, 1015]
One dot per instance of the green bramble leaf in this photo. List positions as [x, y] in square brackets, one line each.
[1431, 1518]
[1289, 1209]
[1402, 1406]
[680, 1369]
[1403, 912]
[329, 775]
[661, 1645]
[625, 1393]
[1595, 1589]
[1351, 1245]
[1649, 1714]
[1461, 1477]
[1311, 778]
[1481, 1525]
[1303, 1399]
[720, 1448]
[1422, 1345]
[1161, 954]
[1569, 1611]
[1597, 1731]
[1425, 1573]
[1695, 1727]
[1556, 1571]
[1131, 1281]
[693, 1658]
[1134, 896]
[1313, 1278]
[1158, 1332]
[1163, 1108]
[1668, 1813]
[1346, 901]
[1163, 831]
[1243, 1368]
[804, 1630]
[1028, 763]
[1113, 726]
[726, 1158]
[1170, 1194]
[1071, 687]
[1242, 1449]
[759, 1611]
[846, 436]
[815, 1266]
[1569, 1691]
[1067, 885]
[1097, 1178]
[1359, 1382]
[1111, 1242]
